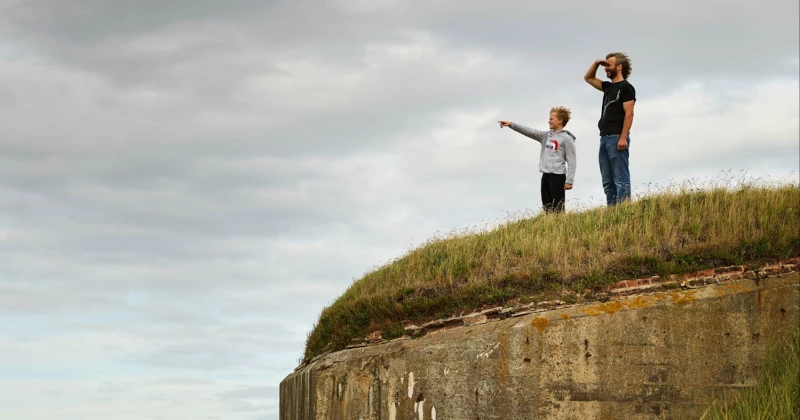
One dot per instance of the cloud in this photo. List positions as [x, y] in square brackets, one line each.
[138, 398]
[187, 184]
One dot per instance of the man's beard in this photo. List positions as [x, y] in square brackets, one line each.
[611, 73]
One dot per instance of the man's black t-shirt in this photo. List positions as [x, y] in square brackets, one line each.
[613, 115]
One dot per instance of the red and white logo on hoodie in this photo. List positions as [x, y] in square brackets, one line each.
[553, 145]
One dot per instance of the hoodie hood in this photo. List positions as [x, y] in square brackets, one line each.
[567, 131]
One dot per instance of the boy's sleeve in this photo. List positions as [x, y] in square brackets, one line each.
[569, 151]
[537, 135]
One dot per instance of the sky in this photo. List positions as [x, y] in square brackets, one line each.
[185, 185]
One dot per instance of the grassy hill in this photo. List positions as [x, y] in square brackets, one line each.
[673, 231]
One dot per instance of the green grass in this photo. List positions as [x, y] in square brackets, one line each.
[777, 394]
[671, 230]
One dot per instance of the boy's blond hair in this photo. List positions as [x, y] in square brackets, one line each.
[563, 113]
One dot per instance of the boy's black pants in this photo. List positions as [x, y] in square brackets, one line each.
[553, 193]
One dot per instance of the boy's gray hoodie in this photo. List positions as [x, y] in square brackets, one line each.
[558, 150]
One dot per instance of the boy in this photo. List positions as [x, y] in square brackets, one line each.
[556, 159]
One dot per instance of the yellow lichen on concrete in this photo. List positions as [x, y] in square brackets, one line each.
[603, 308]
[540, 324]
[684, 297]
[730, 289]
[641, 302]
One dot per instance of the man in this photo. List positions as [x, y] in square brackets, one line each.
[615, 122]
[556, 158]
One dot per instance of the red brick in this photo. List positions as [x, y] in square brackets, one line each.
[730, 269]
[777, 270]
[620, 285]
[637, 283]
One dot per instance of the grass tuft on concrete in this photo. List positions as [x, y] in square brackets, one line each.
[777, 394]
[672, 230]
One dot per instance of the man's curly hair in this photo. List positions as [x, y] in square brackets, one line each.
[624, 61]
[563, 113]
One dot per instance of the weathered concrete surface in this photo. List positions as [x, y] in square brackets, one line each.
[652, 356]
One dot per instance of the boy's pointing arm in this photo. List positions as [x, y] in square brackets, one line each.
[537, 135]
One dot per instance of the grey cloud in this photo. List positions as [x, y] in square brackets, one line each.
[197, 180]
[253, 392]
[665, 40]
[87, 21]
[202, 356]
[181, 382]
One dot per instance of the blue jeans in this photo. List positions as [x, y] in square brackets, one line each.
[614, 169]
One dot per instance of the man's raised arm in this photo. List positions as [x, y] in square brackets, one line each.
[591, 75]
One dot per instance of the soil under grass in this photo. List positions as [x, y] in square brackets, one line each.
[566, 256]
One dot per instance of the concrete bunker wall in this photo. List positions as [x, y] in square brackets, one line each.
[659, 355]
